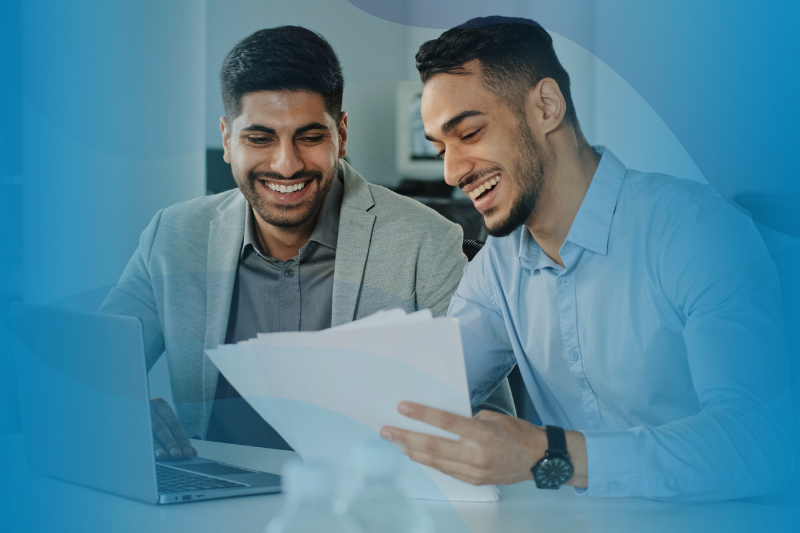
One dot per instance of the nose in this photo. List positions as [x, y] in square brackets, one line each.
[287, 160]
[456, 166]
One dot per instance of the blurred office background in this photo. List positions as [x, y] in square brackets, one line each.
[114, 114]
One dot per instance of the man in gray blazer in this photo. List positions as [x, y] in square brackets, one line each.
[303, 244]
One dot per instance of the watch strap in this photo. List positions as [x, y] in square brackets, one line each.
[556, 441]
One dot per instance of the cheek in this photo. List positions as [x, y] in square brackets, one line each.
[246, 159]
[242, 163]
[501, 149]
[322, 159]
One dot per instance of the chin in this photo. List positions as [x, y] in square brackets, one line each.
[499, 226]
[284, 218]
[501, 230]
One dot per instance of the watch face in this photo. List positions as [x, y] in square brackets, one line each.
[553, 472]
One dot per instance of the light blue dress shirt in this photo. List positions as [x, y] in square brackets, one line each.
[661, 339]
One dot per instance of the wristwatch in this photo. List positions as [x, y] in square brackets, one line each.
[554, 469]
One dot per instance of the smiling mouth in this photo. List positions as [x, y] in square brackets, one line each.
[286, 189]
[483, 188]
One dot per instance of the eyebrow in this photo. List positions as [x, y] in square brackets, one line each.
[311, 126]
[448, 126]
[299, 131]
[259, 127]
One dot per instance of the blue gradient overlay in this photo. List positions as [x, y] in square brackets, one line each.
[103, 121]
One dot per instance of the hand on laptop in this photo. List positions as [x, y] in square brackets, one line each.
[169, 438]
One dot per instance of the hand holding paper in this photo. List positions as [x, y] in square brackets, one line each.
[323, 391]
[492, 449]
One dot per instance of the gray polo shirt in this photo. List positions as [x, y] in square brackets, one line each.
[270, 295]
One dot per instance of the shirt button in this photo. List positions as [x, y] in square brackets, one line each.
[288, 273]
[573, 355]
[613, 486]
[595, 425]
[565, 281]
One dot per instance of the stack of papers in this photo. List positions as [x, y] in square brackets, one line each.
[325, 390]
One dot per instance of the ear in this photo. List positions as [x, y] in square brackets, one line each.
[545, 106]
[343, 135]
[226, 139]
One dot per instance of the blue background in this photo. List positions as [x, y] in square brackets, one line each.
[97, 128]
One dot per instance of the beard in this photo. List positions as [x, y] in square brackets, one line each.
[287, 216]
[527, 172]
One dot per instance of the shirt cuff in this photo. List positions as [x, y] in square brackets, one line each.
[613, 461]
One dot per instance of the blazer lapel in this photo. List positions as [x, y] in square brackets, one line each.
[352, 246]
[225, 236]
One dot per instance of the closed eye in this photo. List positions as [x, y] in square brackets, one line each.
[471, 135]
[312, 138]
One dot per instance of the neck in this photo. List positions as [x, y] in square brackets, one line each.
[280, 242]
[572, 165]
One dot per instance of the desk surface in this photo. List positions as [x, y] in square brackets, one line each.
[34, 503]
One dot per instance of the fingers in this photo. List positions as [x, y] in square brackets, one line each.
[458, 459]
[171, 420]
[436, 417]
[170, 440]
[161, 454]
[461, 471]
[428, 444]
[491, 449]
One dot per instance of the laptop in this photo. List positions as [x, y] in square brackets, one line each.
[85, 407]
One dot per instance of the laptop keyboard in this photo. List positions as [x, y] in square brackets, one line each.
[173, 480]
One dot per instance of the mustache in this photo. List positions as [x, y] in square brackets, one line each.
[479, 175]
[304, 175]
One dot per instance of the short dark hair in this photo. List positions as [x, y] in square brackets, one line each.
[278, 59]
[515, 54]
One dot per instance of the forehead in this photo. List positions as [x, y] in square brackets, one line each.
[445, 95]
[282, 109]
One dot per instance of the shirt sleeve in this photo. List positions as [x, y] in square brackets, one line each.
[488, 354]
[133, 295]
[718, 276]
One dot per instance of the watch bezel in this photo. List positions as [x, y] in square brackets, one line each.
[549, 483]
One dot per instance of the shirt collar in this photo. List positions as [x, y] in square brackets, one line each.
[326, 230]
[529, 250]
[530, 254]
[592, 224]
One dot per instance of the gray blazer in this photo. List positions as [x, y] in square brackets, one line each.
[391, 252]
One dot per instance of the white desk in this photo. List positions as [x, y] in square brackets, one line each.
[33, 503]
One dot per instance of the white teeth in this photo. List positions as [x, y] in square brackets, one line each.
[284, 189]
[485, 186]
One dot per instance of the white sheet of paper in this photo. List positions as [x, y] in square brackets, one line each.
[338, 386]
[239, 360]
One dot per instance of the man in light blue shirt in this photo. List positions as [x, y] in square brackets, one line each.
[643, 310]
